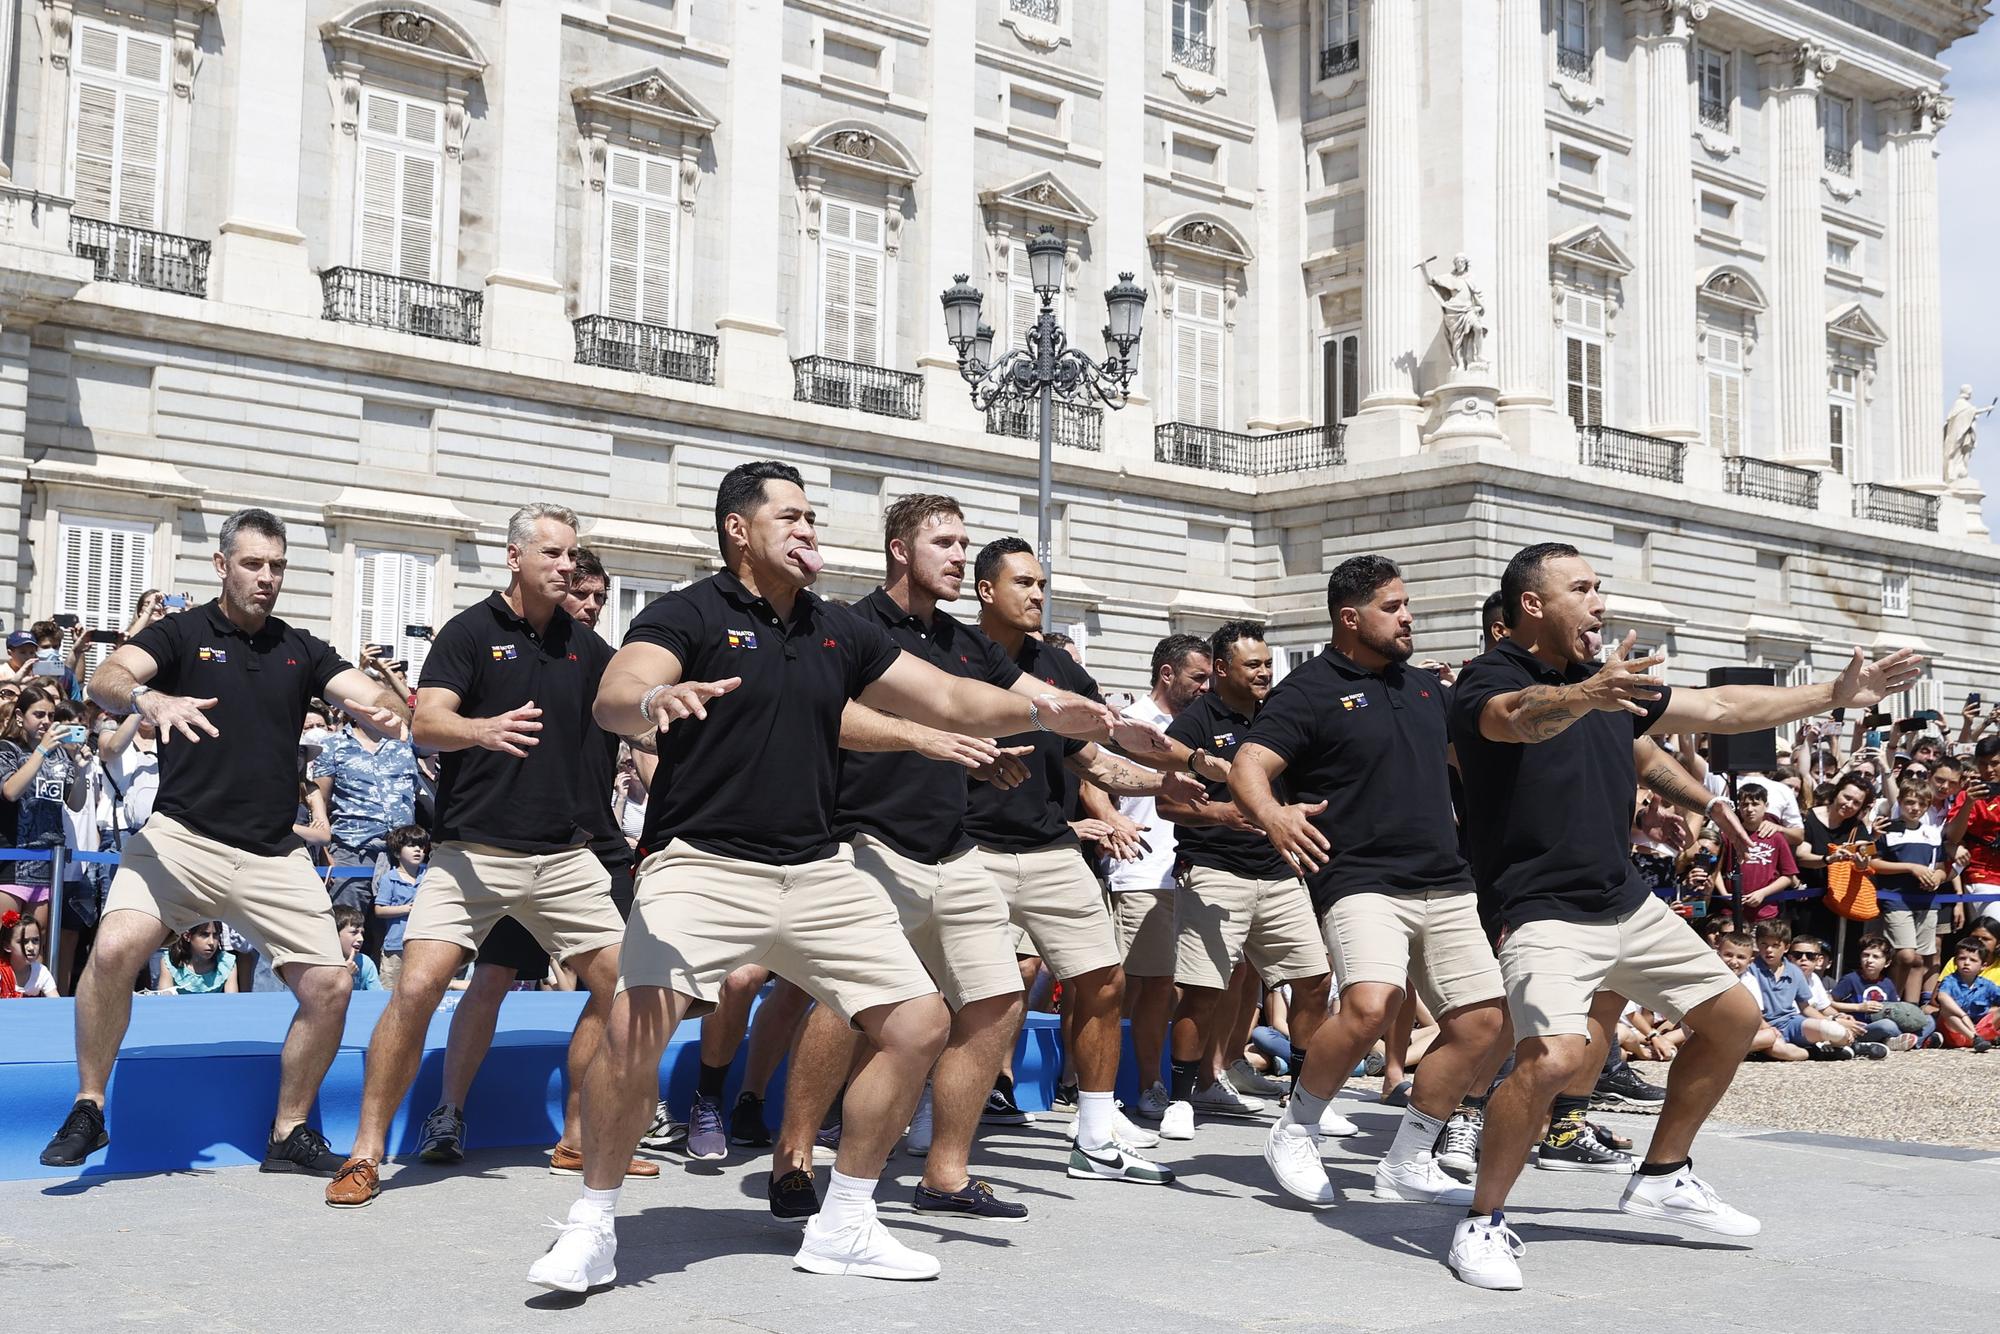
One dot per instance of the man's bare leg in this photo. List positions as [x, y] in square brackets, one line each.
[472, 1027]
[982, 1032]
[827, 1050]
[125, 940]
[398, 1042]
[312, 1040]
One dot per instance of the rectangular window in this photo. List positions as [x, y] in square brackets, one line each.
[1340, 23]
[850, 272]
[1843, 447]
[1576, 167]
[1718, 213]
[1340, 376]
[1724, 359]
[118, 118]
[392, 591]
[1583, 357]
[1198, 335]
[628, 597]
[1836, 119]
[1038, 113]
[1191, 22]
[855, 61]
[398, 192]
[1895, 595]
[1024, 304]
[1715, 84]
[641, 229]
[1575, 49]
[1839, 252]
[102, 566]
[1195, 157]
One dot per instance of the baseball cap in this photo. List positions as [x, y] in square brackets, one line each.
[20, 639]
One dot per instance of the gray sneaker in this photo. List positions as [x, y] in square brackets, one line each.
[707, 1139]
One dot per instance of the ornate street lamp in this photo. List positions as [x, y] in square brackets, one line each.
[1047, 367]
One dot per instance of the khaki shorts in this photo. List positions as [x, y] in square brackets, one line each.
[1434, 940]
[169, 872]
[562, 898]
[954, 917]
[1147, 922]
[1911, 928]
[1226, 918]
[1052, 896]
[1650, 955]
[823, 926]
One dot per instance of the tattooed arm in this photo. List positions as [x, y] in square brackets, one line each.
[1542, 711]
[1663, 774]
[1123, 778]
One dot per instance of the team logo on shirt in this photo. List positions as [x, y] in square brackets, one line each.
[829, 643]
[1222, 739]
[207, 654]
[504, 652]
[742, 638]
[1357, 700]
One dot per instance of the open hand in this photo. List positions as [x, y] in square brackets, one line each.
[176, 713]
[1727, 821]
[513, 732]
[690, 699]
[1865, 683]
[1008, 770]
[384, 723]
[1624, 682]
[974, 752]
[1297, 840]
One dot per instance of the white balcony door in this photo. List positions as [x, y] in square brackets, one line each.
[118, 118]
[400, 186]
[641, 236]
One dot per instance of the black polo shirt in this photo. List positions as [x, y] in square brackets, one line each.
[756, 779]
[1031, 816]
[599, 780]
[241, 787]
[915, 805]
[1549, 824]
[1211, 725]
[495, 662]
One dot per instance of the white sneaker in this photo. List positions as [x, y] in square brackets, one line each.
[1458, 1146]
[1219, 1099]
[1486, 1256]
[581, 1258]
[1248, 1080]
[865, 1250]
[1333, 1124]
[1153, 1103]
[1116, 1163]
[918, 1141]
[665, 1132]
[1685, 1198]
[1292, 1150]
[1178, 1122]
[1420, 1182]
[1123, 1131]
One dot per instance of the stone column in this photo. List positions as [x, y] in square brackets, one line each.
[1797, 245]
[1520, 317]
[1281, 393]
[1392, 340]
[260, 254]
[948, 209]
[524, 301]
[1118, 242]
[1669, 402]
[1916, 343]
[752, 167]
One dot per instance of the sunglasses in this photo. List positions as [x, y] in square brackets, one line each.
[1803, 954]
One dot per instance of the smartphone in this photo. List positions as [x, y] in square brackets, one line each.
[376, 650]
[417, 631]
[175, 602]
[66, 619]
[73, 734]
[104, 637]
[1875, 720]
[1972, 700]
[47, 667]
[1927, 716]
[1840, 715]
[1875, 739]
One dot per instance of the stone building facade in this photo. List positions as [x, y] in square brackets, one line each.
[390, 269]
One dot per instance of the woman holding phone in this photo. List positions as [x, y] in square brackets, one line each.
[41, 772]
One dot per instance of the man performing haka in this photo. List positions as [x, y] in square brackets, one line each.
[902, 809]
[505, 697]
[233, 682]
[1026, 844]
[510, 953]
[1359, 736]
[1240, 898]
[750, 674]
[1544, 737]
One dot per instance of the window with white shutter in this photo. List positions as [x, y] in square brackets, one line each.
[398, 191]
[1340, 376]
[641, 222]
[1725, 390]
[1842, 451]
[1583, 357]
[850, 282]
[1197, 351]
[118, 118]
[102, 566]
[392, 591]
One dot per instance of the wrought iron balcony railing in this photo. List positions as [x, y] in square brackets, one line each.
[1214, 450]
[1892, 504]
[1714, 113]
[1195, 54]
[1340, 58]
[649, 349]
[1781, 483]
[1576, 62]
[1078, 425]
[1048, 11]
[140, 258]
[849, 384]
[407, 305]
[1629, 451]
[1840, 161]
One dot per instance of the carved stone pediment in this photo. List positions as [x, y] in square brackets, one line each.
[1588, 247]
[649, 95]
[1041, 197]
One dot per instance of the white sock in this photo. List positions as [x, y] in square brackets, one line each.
[1416, 1136]
[1095, 1126]
[849, 1202]
[595, 1204]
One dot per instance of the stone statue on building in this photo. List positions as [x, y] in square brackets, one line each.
[1464, 313]
[1961, 434]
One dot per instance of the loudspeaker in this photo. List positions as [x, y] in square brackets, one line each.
[1744, 752]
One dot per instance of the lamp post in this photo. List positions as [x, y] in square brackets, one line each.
[1047, 367]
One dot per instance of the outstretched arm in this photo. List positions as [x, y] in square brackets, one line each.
[1541, 712]
[1751, 708]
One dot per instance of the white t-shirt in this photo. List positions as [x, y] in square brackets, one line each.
[39, 981]
[1780, 801]
[136, 772]
[1155, 869]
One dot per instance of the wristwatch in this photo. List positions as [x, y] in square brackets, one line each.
[137, 691]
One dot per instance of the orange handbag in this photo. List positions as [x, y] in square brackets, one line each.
[1850, 889]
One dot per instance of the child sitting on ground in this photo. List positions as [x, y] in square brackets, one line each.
[349, 922]
[24, 956]
[197, 965]
[1865, 995]
[1736, 951]
[1968, 1005]
[1785, 994]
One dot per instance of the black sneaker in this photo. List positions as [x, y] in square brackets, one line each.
[1622, 1090]
[82, 1134]
[1001, 1109]
[1574, 1149]
[444, 1135]
[1873, 1051]
[1826, 1051]
[1608, 1137]
[977, 1200]
[1065, 1099]
[305, 1150]
[792, 1195]
[746, 1123]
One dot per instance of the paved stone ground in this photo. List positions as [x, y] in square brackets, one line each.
[1852, 1228]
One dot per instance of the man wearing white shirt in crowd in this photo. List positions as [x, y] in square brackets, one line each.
[1144, 902]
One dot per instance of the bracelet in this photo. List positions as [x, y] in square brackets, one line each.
[1194, 762]
[646, 703]
[1035, 713]
[132, 701]
[1712, 800]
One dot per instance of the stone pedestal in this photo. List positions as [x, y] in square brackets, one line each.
[1465, 408]
[525, 313]
[751, 357]
[1964, 508]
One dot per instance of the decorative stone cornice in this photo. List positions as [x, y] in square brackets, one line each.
[134, 476]
[1041, 197]
[1922, 111]
[649, 96]
[403, 509]
[1853, 323]
[1801, 67]
[1202, 236]
[407, 32]
[856, 148]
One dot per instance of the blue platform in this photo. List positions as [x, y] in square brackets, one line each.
[197, 1078]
